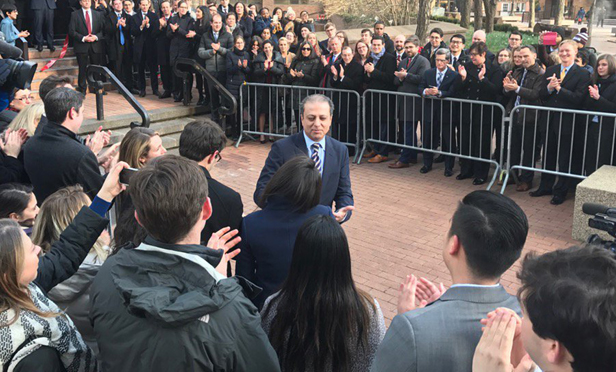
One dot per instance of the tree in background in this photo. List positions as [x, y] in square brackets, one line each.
[465, 13]
[490, 9]
[423, 19]
[478, 14]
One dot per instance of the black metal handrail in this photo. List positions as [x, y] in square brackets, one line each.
[228, 103]
[95, 71]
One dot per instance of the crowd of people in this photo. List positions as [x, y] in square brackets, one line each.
[136, 275]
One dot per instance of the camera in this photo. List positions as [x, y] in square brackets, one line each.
[604, 219]
[16, 74]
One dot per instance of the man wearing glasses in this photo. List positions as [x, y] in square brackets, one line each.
[515, 40]
[436, 42]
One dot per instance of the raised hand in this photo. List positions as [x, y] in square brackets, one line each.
[482, 72]
[408, 295]
[400, 74]
[162, 22]
[12, 143]
[462, 72]
[224, 239]
[334, 71]
[112, 186]
[428, 291]
[594, 92]
[341, 71]
[174, 26]
[341, 213]
[517, 350]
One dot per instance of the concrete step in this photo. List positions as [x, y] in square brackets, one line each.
[47, 54]
[64, 62]
[163, 128]
[57, 70]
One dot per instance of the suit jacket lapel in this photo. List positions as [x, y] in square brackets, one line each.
[572, 68]
[330, 158]
[300, 142]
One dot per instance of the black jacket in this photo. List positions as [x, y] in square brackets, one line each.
[389, 45]
[180, 46]
[236, 76]
[77, 29]
[529, 92]
[382, 78]
[429, 54]
[489, 89]
[145, 40]
[607, 99]
[11, 169]
[227, 208]
[163, 307]
[273, 75]
[353, 77]
[55, 158]
[163, 46]
[112, 35]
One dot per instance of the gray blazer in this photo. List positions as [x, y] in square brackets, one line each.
[442, 336]
[409, 109]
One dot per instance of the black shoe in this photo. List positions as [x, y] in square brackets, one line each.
[479, 181]
[52, 48]
[142, 93]
[39, 48]
[448, 173]
[425, 169]
[557, 200]
[201, 100]
[439, 159]
[133, 90]
[461, 176]
[540, 192]
[177, 99]
[156, 93]
[166, 94]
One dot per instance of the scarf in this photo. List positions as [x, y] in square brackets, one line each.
[31, 331]
[376, 57]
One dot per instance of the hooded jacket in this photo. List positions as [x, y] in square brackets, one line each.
[163, 307]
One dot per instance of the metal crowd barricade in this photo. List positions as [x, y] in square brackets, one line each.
[558, 142]
[279, 105]
[461, 128]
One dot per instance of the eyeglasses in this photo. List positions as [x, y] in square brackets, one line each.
[308, 49]
[24, 98]
[473, 54]
[218, 157]
[455, 42]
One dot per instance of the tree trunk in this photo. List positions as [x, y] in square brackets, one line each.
[560, 12]
[490, 6]
[423, 19]
[478, 16]
[465, 13]
[591, 21]
[531, 18]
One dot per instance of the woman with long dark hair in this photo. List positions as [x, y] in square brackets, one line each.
[291, 197]
[600, 144]
[202, 27]
[267, 68]
[238, 68]
[303, 72]
[319, 320]
[243, 19]
[181, 32]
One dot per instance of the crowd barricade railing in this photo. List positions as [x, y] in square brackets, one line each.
[272, 110]
[466, 129]
[558, 142]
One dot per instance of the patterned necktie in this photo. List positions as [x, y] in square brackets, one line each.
[563, 73]
[517, 100]
[439, 79]
[121, 33]
[315, 156]
[88, 24]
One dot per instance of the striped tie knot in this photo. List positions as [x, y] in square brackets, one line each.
[315, 155]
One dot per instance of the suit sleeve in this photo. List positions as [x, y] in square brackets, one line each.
[344, 194]
[398, 351]
[543, 90]
[417, 77]
[453, 88]
[245, 261]
[273, 162]
[100, 18]
[387, 73]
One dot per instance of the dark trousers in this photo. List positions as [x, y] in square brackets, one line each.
[383, 122]
[600, 146]
[215, 97]
[434, 132]
[166, 75]
[525, 139]
[123, 68]
[178, 85]
[153, 67]
[85, 59]
[410, 139]
[43, 26]
[475, 140]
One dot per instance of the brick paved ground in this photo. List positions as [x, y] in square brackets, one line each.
[401, 220]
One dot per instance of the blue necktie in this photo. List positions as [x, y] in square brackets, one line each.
[439, 79]
[315, 156]
[121, 33]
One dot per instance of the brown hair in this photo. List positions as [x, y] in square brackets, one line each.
[169, 194]
[135, 145]
[57, 212]
[13, 296]
[611, 66]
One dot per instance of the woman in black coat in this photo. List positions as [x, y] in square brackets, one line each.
[600, 147]
[181, 32]
[304, 72]
[238, 68]
[243, 19]
[202, 27]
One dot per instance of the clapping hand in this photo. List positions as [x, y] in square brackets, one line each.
[24, 34]
[174, 26]
[417, 293]
[144, 23]
[462, 72]
[400, 74]
[108, 158]
[369, 67]
[334, 71]
[122, 22]
[245, 63]
[482, 72]
[215, 46]
[162, 22]
[432, 91]
[13, 141]
[191, 34]
[594, 92]
[554, 82]
[224, 239]
[324, 60]
[341, 71]
[98, 140]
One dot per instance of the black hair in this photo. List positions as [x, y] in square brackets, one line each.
[201, 139]
[569, 295]
[437, 30]
[529, 47]
[14, 198]
[492, 230]
[379, 23]
[584, 55]
[516, 32]
[366, 30]
[51, 82]
[378, 37]
[479, 47]
[8, 9]
[458, 36]
[298, 181]
[60, 101]
[321, 317]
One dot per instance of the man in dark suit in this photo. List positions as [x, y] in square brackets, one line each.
[437, 83]
[224, 9]
[163, 50]
[331, 60]
[481, 81]
[458, 54]
[330, 30]
[436, 42]
[203, 141]
[379, 75]
[119, 43]
[331, 156]
[348, 75]
[486, 237]
[408, 78]
[86, 29]
[43, 22]
[565, 86]
[145, 27]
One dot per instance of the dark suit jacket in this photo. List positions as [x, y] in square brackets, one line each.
[353, 76]
[180, 46]
[529, 92]
[42, 4]
[327, 79]
[489, 89]
[409, 108]
[145, 40]
[448, 89]
[382, 78]
[163, 45]
[443, 335]
[78, 30]
[323, 44]
[55, 158]
[427, 52]
[268, 237]
[112, 34]
[336, 177]
[227, 208]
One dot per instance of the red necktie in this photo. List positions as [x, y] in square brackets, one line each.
[88, 24]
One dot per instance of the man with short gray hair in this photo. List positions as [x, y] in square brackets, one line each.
[331, 156]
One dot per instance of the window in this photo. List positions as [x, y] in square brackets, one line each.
[505, 7]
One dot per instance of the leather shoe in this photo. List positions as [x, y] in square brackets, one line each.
[557, 200]
[378, 159]
[461, 176]
[448, 173]
[156, 93]
[439, 159]
[540, 192]
[425, 169]
[166, 94]
[369, 155]
[142, 93]
[397, 165]
[52, 48]
[479, 181]
[524, 186]
[39, 48]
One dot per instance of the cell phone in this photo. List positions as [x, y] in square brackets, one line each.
[549, 38]
[126, 174]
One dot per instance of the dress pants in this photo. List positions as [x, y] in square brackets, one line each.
[43, 26]
[123, 68]
[437, 131]
[166, 75]
[383, 121]
[85, 59]
[153, 67]
[524, 141]
[214, 96]
[475, 140]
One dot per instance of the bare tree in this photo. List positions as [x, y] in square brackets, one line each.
[423, 19]
[490, 7]
[478, 14]
[531, 18]
[560, 15]
[392, 12]
[591, 21]
[465, 13]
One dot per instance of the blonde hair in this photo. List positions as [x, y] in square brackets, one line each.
[574, 44]
[28, 118]
[57, 212]
[554, 58]
[135, 145]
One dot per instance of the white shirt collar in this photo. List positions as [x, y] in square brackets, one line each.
[310, 142]
[475, 285]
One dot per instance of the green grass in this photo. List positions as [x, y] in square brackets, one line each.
[497, 40]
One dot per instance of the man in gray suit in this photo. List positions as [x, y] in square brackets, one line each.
[487, 233]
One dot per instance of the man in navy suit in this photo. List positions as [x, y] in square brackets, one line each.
[331, 156]
[145, 27]
[438, 82]
[43, 16]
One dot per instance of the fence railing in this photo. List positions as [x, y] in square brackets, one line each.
[273, 110]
